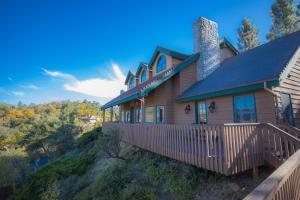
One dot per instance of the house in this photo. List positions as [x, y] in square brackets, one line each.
[216, 84]
[91, 119]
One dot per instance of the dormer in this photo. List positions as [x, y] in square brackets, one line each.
[143, 73]
[130, 80]
[164, 59]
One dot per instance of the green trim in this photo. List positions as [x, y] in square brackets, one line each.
[167, 76]
[247, 88]
[196, 113]
[141, 66]
[127, 99]
[226, 43]
[129, 74]
[166, 52]
[156, 83]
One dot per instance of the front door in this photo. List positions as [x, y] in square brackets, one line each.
[287, 109]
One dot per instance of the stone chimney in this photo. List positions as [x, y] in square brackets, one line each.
[206, 41]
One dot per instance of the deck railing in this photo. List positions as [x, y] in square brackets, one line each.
[227, 149]
[282, 184]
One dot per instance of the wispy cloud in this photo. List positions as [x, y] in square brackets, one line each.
[97, 87]
[30, 86]
[59, 75]
[18, 93]
[9, 78]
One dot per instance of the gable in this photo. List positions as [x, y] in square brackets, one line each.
[169, 53]
[128, 77]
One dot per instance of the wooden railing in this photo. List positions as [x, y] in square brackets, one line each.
[294, 131]
[227, 149]
[283, 184]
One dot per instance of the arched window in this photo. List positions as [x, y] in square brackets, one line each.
[131, 82]
[143, 76]
[161, 64]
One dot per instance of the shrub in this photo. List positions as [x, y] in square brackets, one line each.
[39, 182]
[134, 192]
[88, 137]
[110, 184]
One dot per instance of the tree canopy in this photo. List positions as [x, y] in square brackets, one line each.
[284, 19]
[247, 35]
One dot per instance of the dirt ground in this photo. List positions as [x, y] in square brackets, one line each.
[231, 188]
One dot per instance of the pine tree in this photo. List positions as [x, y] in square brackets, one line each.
[298, 16]
[284, 20]
[247, 35]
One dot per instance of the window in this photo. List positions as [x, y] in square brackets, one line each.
[202, 112]
[127, 116]
[161, 64]
[143, 76]
[160, 114]
[149, 114]
[131, 82]
[244, 109]
[137, 115]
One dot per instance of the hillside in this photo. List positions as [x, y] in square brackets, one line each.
[91, 165]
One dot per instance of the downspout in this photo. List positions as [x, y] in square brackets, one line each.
[142, 100]
[275, 97]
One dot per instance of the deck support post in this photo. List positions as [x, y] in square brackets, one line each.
[255, 172]
[103, 115]
[142, 110]
[111, 113]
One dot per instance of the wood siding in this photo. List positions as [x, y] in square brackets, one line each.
[291, 85]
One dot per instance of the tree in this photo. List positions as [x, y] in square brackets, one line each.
[284, 20]
[298, 15]
[247, 35]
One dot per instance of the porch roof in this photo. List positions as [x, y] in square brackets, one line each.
[146, 87]
[248, 70]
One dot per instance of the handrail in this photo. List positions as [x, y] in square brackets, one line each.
[278, 184]
[283, 132]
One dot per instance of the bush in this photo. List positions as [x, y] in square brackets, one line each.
[88, 137]
[134, 192]
[110, 184]
[39, 182]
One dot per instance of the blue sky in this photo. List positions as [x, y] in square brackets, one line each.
[58, 50]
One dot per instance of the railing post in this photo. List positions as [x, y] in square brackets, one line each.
[103, 116]
[142, 110]
[111, 113]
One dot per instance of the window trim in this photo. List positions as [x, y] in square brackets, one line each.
[158, 60]
[233, 107]
[141, 77]
[126, 119]
[129, 85]
[140, 117]
[164, 114]
[197, 112]
[145, 107]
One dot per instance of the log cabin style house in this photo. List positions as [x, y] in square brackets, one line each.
[218, 109]
[216, 84]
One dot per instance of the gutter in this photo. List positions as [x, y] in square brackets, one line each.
[230, 91]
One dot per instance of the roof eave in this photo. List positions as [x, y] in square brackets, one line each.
[166, 52]
[235, 90]
[125, 100]
[181, 66]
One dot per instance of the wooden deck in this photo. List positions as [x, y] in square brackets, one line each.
[227, 149]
